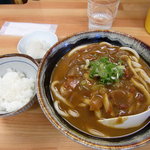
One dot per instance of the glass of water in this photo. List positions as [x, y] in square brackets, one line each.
[101, 13]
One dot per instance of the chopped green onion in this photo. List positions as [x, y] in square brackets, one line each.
[106, 71]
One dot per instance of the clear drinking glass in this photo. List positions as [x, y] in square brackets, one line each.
[101, 13]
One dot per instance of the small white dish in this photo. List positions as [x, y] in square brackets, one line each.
[37, 43]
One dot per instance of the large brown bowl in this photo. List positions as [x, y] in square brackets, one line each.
[44, 95]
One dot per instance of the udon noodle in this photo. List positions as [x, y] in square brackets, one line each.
[98, 81]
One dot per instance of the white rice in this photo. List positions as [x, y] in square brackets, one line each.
[15, 90]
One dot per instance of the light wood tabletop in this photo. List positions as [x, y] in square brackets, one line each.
[31, 130]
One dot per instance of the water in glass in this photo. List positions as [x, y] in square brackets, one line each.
[101, 13]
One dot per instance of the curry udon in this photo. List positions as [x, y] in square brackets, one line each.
[98, 81]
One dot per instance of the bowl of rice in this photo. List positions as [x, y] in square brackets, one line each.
[17, 83]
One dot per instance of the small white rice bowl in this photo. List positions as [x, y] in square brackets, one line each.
[17, 83]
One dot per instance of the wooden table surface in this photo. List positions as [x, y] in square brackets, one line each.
[31, 130]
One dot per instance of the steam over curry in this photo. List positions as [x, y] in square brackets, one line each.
[98, 81]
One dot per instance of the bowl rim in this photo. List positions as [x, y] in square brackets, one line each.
[86, 32]
[20, 55]
[32, 100]
[58, 126]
